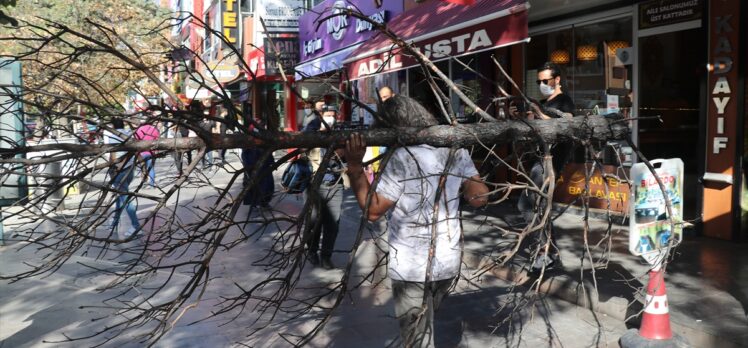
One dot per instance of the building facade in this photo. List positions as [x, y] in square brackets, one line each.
[677, 68]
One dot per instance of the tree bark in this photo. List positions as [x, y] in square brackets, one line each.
[588, 128]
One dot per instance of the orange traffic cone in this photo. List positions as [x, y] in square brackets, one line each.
[656, 318]
[655, 328]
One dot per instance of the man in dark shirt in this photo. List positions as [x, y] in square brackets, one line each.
[329, 194]
[556, 104]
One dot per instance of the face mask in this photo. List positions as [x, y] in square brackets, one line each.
[546, 90]
[330, 120]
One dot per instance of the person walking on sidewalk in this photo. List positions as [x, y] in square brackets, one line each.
[425, 246]
[148, 132]
[122, 171]
[209, 126]
[556, 104]
[330, 200]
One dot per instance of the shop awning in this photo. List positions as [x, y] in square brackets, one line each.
[321, 65]
[441, 30]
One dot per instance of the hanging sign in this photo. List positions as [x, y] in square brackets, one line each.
[664, 12]
[229, 16]
[649, 227]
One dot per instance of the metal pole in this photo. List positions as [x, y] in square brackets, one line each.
[2, 229]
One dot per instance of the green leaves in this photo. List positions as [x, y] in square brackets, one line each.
[4, 18]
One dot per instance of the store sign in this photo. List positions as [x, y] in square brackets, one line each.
[229, 17]
[312, 46]
[339, 30]
[337, 24]
[279, 15]
[601, 191]
[286, 53]
[470, 39]
[723, 56]
[664, 12]
[722, 117]
[223, 72]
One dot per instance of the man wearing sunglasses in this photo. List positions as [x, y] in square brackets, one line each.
[556, 104]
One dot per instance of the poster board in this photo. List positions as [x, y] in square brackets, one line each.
[13, 187]
[649, 228]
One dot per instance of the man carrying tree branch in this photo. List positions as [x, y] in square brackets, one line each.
[420, 188]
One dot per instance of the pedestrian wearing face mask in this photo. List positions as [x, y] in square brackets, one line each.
[328, 197]
[556, 104]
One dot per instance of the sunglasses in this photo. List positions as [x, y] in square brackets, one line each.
[544, 81]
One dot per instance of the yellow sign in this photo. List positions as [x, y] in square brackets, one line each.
[229, 20]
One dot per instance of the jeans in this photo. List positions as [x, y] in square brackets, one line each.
[527, 206]
[417, 322]
[223, 156]
[331, 200]
[207, 159]
[150, 168]
[121, 183]
[262, 193]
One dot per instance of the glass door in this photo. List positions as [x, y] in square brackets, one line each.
[671, 70]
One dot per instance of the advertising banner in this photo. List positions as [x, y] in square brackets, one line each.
[494, 33]
[336, 32]
[279, 15]
[286, 52]
[664, 12]
[649, 228]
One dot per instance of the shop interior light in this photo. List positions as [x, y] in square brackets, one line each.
[560, 57]
[615, 45]
[586, 52]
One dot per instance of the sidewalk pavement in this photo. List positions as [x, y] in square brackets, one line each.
[707, 281]
[707, 292]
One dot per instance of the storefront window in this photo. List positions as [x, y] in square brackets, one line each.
[586, 56]
[272, 108]
[365, 91]
[420, 89]
[464, 76]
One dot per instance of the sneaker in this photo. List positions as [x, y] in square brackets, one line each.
[130, 231]
[327, 263]
[313, 259]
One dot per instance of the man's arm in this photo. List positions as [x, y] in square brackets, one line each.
[475, 191]
[355, 148]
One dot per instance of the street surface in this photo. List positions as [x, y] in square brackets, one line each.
[483, 311]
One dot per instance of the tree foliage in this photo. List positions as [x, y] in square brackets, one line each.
[72, 67]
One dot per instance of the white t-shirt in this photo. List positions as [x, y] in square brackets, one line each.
[410, 179]
[111, 138]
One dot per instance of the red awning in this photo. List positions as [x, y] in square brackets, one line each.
[441, 30]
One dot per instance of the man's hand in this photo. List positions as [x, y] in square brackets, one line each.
[355, 149]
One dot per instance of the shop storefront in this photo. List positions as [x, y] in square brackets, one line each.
[271, 97]
[673, 66]
[270, 49]
[461, 40]
[324, 46]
